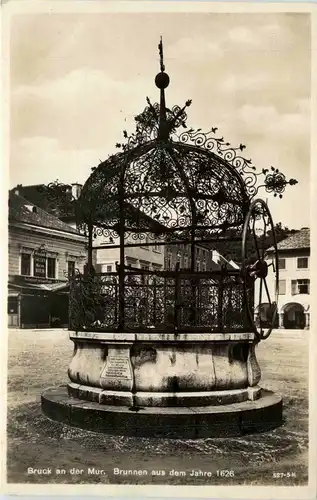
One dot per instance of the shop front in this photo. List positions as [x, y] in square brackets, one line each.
[37, 303]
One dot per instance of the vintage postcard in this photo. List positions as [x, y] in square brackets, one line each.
[161, 161]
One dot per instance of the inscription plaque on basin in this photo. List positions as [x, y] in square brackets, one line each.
[118, 367]
[117, 371]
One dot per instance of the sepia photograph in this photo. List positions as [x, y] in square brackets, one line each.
[159, 287]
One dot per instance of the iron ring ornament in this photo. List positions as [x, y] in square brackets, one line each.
[259, 270]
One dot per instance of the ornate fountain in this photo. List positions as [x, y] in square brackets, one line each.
[187, 365]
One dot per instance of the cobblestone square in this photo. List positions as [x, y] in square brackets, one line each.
[39, 449]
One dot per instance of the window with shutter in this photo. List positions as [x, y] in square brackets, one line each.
[303, 286]
[300, 287]
[302, 263]
[25, 264]
[144, 277]
[282, 264]
[51, 267]
[282, 287]
[71, 268]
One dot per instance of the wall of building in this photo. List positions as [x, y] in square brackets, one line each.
[136, 256]
[29, 308]
[289, 295]
[64, 248]
[161, 256]
[291, 273]
[205, 257]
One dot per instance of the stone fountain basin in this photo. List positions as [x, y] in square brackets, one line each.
[164, 370]
[164, 385]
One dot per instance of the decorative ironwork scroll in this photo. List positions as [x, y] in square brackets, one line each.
[163, 301]
[57, 197]
[191, 182]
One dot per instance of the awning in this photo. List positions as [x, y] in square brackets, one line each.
[56, 287]
[49, 287]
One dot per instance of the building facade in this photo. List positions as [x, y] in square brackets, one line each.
[294, 282]
[142, 257]
[43, 251]
[207, 258]
[157, 257]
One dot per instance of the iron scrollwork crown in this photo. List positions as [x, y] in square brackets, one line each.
[147, 126]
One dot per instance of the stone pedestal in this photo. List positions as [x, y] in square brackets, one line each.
[227, 420]
[169, 385]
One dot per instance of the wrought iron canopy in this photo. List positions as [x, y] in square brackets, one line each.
[172, 185]
[163, 188]
[169, 183]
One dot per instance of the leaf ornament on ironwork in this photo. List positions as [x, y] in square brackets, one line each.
[147, 123]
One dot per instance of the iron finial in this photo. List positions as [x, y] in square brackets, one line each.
[162, 81]
[160, 47]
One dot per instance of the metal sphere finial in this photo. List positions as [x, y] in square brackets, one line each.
[162, 80]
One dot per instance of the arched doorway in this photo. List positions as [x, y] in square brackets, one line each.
[264, 314]
[293, 316]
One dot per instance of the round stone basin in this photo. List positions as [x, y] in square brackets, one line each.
[164, 370]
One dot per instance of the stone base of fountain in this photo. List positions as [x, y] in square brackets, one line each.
[168, 385]
[193, 422]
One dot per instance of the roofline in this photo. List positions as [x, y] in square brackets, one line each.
[53, 232]
[20, 186]
[12, 192]
[271, 250]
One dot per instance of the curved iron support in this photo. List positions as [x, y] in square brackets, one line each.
[259, 269]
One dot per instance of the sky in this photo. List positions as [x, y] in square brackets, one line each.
[77, 81]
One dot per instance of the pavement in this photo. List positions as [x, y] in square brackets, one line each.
[38, 359]
[48, 330]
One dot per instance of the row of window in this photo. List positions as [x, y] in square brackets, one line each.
[302, 263]
[41, 266]
[200, 266]
[297, 287]
[181, 247]
[108, 268]
[156, 247]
